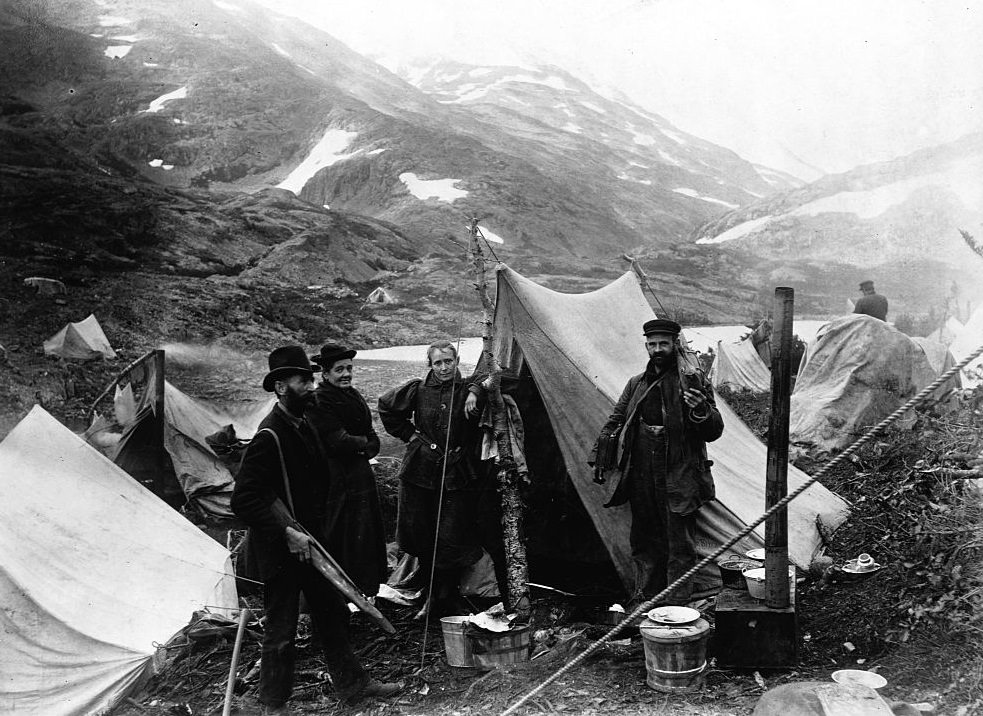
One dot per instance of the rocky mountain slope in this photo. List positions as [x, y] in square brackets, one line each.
[896, 222]
[193, 93]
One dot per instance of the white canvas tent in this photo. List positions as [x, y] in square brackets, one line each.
[193, 471]
[380, 295]
[854, 374]
[81, 341]
[580, 350]
[968, 339]
[738, 365]
[94, 570]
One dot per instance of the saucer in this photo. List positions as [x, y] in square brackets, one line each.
[673, 616]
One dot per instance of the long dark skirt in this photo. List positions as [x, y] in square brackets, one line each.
[356, 537]
[459, 542]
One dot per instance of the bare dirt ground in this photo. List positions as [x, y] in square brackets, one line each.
[917, 621]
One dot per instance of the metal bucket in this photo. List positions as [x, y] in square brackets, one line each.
[675, 656]
[493, 650]
[457, 646]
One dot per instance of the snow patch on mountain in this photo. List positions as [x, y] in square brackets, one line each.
[440, 189]
[378, 151]
[961, 178]
[470, 95]
[158, 104]
[674, 137]
[113, 21]
[736, 232]
[666, 157]
[116, 52]
[685, 191]
[330, 150]
[480, 71]
[593, 107]
[227, 6]
[625, 177]
[488, 234]
[571, 127]
[279, 50]
[126, 38]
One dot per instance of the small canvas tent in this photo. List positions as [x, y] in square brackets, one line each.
[80, 341]
[856, 372]
[380, 295]
[969, 338]
[183, 468]
[573, 354]
[738, 365]
[94, 572]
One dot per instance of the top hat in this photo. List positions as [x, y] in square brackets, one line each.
[661, 325]
[285, 362]
[331, 353]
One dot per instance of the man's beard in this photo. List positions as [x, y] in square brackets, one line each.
[297, 403]
[660, 363]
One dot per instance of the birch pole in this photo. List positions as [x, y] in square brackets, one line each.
[508, 475]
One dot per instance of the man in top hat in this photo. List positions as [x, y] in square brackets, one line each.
[285, 464]
[656, 440]
[871, 303]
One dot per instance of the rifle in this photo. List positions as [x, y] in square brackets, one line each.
[324, 563]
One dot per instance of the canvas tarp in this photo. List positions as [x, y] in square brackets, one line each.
[581, 349]
[82, 341]
[94, 571]
[738, 365]
[201, 476]
[855, 373]
[969, 338]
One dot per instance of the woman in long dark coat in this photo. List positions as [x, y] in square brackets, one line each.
[343, 422]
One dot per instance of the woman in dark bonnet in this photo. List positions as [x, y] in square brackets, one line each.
[343, 422]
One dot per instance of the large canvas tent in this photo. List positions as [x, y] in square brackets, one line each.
[180, 466]
[80, 341]
[739, 365]
[856, 372]
[576, 352]
[94, 571]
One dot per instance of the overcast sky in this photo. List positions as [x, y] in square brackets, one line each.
[835, 82]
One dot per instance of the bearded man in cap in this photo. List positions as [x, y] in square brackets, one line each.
[660, 427]
[285, 464]
[871, 303]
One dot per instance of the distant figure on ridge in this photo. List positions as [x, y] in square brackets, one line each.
[871, 303]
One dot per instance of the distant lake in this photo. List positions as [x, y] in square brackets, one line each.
[700, 338]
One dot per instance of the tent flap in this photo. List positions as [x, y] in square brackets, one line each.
[581, 349]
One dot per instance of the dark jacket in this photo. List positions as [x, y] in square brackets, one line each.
[260, 482]
[353, 521]
[872, 304]
[689, 483]
[419, 413]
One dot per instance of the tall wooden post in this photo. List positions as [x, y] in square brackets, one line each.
[161, 484]
[776, 527]
[508, 475]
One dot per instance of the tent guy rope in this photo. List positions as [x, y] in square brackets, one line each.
[922, 397]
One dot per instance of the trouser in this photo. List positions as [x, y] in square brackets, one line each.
[329, 617]
[663, 542]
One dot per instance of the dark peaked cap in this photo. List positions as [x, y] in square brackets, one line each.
[865, 284]
[661, 325]
[285, 362]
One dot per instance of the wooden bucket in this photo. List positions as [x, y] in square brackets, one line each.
[457, 646]
[494, 650]
[675, 656]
